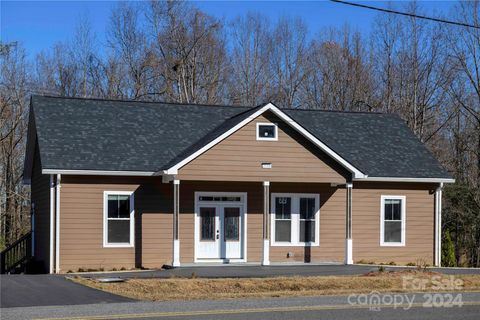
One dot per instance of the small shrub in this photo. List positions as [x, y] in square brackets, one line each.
[81, 270]
[194, 275]
[411, 264]
[101, 269]
[69, 271]
[448, 251]
[114, 269]
[123, 269]
[392, 263]
[365, 262]
[381, 269]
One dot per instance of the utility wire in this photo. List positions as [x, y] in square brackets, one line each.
[406, 14]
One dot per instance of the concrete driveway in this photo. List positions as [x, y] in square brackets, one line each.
[49, 290]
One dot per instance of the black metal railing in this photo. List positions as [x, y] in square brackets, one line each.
[17, 254]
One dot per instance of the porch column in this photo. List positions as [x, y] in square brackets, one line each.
[348, 226]
[438, 226]
[176, 223]
[266, 231]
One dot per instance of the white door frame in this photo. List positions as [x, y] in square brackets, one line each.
[243, 234]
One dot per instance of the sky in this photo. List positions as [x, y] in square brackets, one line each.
[38, 25]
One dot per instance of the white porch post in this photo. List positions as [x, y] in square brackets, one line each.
[266, 219]
[348, 226]
[52, 225]
[176, 223]
[57, 223]
[438, 226]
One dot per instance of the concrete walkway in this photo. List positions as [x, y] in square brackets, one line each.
[49, 290]
[252, 271]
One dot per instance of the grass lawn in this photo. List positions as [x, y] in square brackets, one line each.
[196, 288]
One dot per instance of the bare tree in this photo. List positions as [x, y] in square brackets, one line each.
[14, 217]
[251, 47]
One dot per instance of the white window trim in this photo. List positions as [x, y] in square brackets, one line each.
[267, 124]
[382, 221]
[295, 218]
[106, 244]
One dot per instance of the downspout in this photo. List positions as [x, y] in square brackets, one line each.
[52, 225]
[438, 225]
[57, 224]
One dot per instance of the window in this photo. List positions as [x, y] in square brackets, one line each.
[219, 199]
[118, 219]
[283, 219]
[295, 219]
[232, 224]
[267, 131]
[207, 224]
[392, 228]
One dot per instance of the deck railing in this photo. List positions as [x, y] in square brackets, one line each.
[16, 254]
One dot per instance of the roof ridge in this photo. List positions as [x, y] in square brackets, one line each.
[142, 101]
[334, 111]
[205, 104]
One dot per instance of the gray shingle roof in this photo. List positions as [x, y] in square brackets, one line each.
[89, 134]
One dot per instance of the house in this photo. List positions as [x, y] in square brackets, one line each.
[123, 184]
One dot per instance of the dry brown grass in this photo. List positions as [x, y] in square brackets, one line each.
[187, 289]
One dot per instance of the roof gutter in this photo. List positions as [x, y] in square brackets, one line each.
[101, 172]
[396, 179]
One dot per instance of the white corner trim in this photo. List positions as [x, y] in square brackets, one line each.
[99, 172]
[57, 223]
[105, 220]
[259, 138]
[395, 179]
[382, 221]
[269, 107]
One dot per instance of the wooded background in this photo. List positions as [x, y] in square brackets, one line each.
[427, 72]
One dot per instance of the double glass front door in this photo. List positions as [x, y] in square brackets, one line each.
[220, 231]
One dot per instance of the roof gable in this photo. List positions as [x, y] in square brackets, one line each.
[226, 131]
[241, 157]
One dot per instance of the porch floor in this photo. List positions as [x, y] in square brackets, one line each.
[257, 271]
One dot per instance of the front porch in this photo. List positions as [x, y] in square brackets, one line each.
[260, 222]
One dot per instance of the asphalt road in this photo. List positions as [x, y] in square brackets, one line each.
[409, 306]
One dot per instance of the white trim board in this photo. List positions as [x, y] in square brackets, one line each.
[269, 107]
[395, 179]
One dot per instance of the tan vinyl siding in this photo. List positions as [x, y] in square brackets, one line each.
[332, 226]
[40, 196]
[81, 223]
[239, 158]
[81, 226]
[419, 242]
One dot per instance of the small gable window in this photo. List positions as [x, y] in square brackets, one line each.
[267, 131]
